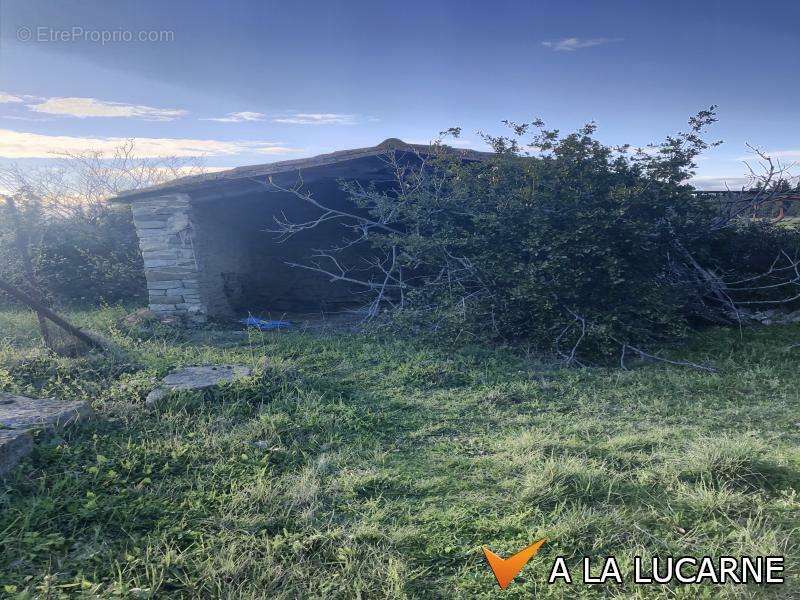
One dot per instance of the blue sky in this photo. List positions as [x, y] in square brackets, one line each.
[250, 82]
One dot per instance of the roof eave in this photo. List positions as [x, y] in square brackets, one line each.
[241, 174]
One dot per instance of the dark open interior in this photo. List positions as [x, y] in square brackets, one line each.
[244, 265]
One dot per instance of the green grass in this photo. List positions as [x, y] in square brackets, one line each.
[357, 467]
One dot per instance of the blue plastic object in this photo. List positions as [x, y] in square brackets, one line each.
[265, 325]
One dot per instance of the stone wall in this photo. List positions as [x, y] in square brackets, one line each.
[166, 239]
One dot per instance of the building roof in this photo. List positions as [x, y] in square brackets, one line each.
[195, 182]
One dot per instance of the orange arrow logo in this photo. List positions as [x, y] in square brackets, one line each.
[505, 569]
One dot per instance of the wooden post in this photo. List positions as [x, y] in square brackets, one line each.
[41, 309]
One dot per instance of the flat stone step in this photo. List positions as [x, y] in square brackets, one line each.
[21, 412]
[195, 378]
[20, 416]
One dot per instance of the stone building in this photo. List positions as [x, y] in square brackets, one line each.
[206, 241]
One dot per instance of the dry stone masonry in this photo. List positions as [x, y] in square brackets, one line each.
[165, 229]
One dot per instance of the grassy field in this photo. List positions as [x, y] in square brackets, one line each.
[358, 467]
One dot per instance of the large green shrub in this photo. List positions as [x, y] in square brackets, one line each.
[579, 247]
[574, 244]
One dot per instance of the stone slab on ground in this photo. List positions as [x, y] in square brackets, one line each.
[195, 378]
[21, 412]
[20, 416]
[14, 445]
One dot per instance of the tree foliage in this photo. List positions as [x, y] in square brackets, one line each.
[83, 249]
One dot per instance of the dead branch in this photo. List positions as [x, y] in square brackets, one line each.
[769, 186]
[328, 213]
[570, 358]
[680, 363]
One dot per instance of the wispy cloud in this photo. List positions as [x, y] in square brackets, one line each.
[25, 118]
[783, 155]
[238, 117]
[83, 108]
[9, 98]
[717, 182]
[317, 119]
[92, 107]
[571, 44]
[18, 144]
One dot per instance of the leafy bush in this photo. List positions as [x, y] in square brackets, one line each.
[583, 248]
[76, 259]
[573, 245]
